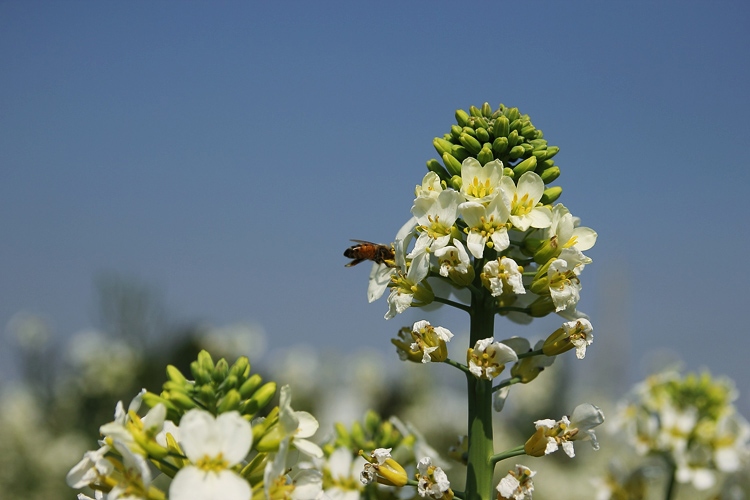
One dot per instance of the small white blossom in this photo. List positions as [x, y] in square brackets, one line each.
[486, 224]
[435, 219]
[430, 187]
[522, 199]
[580, 335]
[517, 485]
[488, 358]
[480, 183]
[432, 481]
[503, 277]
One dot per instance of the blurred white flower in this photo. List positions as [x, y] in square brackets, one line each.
[213, 446]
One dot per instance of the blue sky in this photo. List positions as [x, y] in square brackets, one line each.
[225, 153]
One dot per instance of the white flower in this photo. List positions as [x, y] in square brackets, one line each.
[407, 286]
[429, 339]
[344, 471]
[430, 187]
[551, 435]
[521, 201]
[454, 261]
[92, 466]
[306, 485]
[435, 219]
[380, 275]
[117, 429]
[297, 424]
[488, 358]
[486, 224]
[517, 485]
[213, 446]
[503, 277]
[564, 285]
[432, 481]
[579, 332]
[480, 183]
[564, 228]
[136, 475]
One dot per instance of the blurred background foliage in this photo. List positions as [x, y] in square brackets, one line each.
[51, 412]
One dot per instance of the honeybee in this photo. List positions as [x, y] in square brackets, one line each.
[364, 250]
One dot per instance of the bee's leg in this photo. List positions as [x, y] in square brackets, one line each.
[354, 262]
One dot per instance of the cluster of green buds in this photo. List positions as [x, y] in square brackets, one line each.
[372, 433]
[503, 134]
[217, 387]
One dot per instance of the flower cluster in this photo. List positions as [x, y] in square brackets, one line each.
[202, 439]
[491, 216]
[691, 422]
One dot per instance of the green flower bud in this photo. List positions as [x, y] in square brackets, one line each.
[372, 421]
[500, 145]
[200, 375]
[509, 172]
[550, 174]
[269, 442]
[551, 195]
[230, 402]
[441, 145]
[153, 449]
[485, 155]
[221, 370]
[182, 400]
[461, 117]
[435, 166]
[501, 127]
[528, 131]
[545, 164]
[343, 437]
[512, 114]
[525, 166]
[550, 152]
[541, 307]
[456, 182]
[250, 385]
[260, 399]
[459, 152]
[513, 139]
[230, 382]
[470, 143]
[205, 361]
[487, 110]
[475, 111]
[456, 131]
[480, 122]
[174, 386]
[452, 164]
[175, 375]
[482, 135]
[150, 399]
[207, 395]
[516, 125]
[548, 251]
[470, 131]
[540, 285]
[516, 152]
[557, 343]
[240, 368]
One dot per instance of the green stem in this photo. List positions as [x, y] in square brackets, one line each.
[538, 352]
[479, 469]
[455, 364]
[672, 481]
[449, 302]
[513, 309]
[513, 452]
[506, 383]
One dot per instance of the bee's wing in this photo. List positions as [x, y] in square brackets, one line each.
[363, 242]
